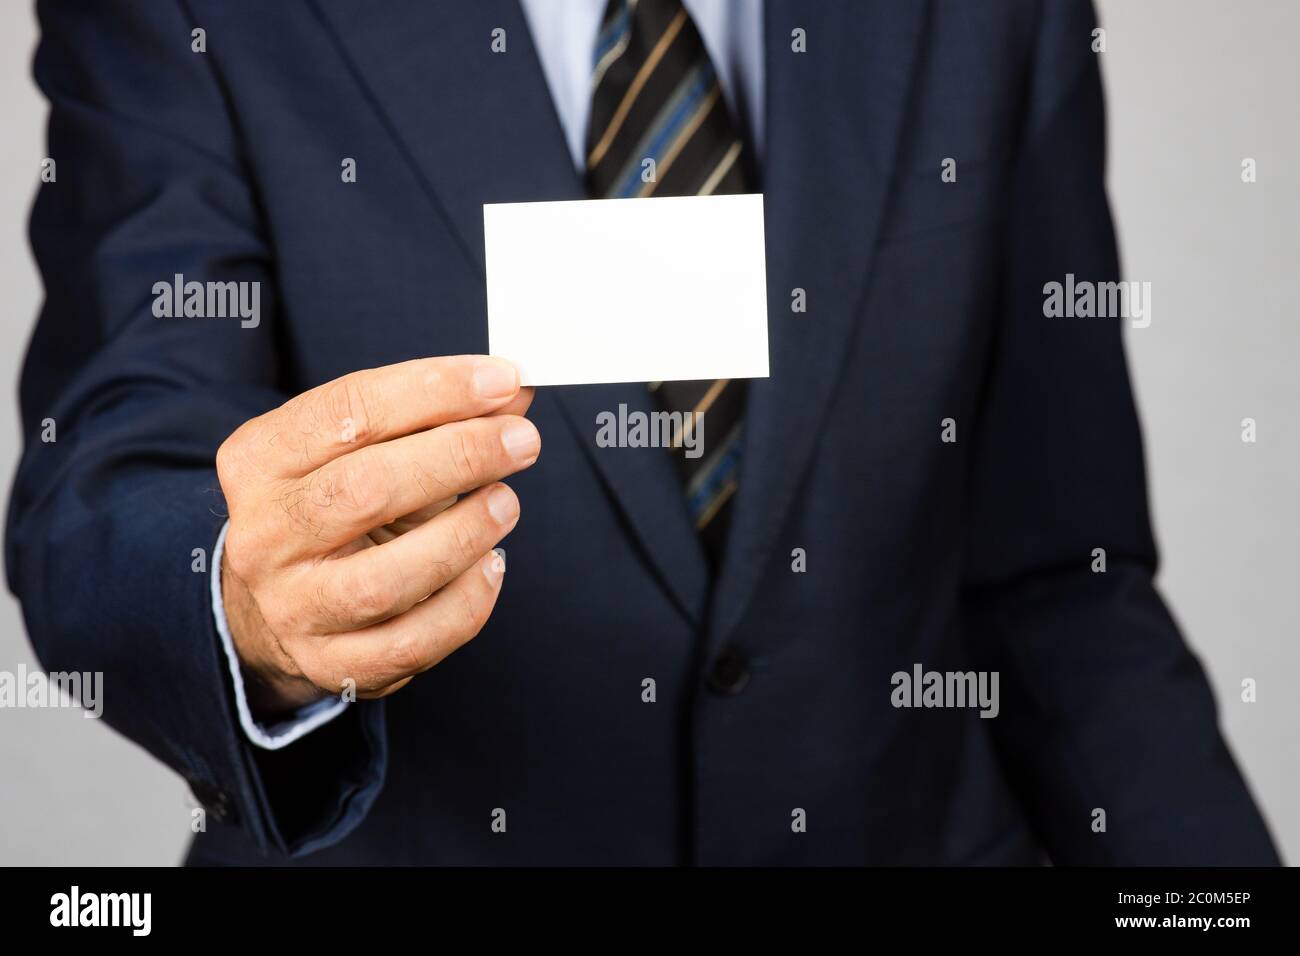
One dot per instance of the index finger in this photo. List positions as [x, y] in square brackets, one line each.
[374, 405]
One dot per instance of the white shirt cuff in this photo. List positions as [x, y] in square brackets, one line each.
[284, 732]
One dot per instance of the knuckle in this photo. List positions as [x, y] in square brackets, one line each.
[465, 540]
[338, 406]
[226, 464]
[472, 614]
[431, 486]
[230, 460]
[466, 457]
[240, 551]
[322, 673]
[298, 503]
[407, 653]
[378, 599]
[357, 484]
[358, 487]
[354, 409]
[335, 671]
[432, 381]
[368, 597]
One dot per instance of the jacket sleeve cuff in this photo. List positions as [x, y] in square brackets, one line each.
[267, 736]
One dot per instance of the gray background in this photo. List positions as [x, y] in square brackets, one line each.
[1194, 86]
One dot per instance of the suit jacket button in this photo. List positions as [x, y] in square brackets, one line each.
[730, 673]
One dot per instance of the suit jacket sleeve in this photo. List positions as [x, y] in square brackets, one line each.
[1104, 707]
[106, 519]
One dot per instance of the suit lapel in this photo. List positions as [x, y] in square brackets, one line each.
[833, 119]
[478, 126]
[481, 127]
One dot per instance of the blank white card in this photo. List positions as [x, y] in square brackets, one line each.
[628, 290]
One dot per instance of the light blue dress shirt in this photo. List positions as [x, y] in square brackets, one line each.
[564, 32]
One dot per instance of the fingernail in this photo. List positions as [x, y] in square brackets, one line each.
[521, 441]
[494, 566]
[503, 505]
[495, 379]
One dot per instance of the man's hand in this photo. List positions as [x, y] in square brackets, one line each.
[348, 555]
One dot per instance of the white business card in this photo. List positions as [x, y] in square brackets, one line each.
[628, 290]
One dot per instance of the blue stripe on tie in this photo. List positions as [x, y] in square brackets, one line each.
[612, 35]
[666, 128]
[713, 484]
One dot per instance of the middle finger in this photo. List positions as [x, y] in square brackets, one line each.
[377, 484]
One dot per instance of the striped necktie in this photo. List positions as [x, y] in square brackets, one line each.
[655, 95]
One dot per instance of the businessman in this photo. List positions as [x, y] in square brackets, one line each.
[272, 528]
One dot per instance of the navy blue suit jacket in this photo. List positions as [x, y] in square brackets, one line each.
[924, 303]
